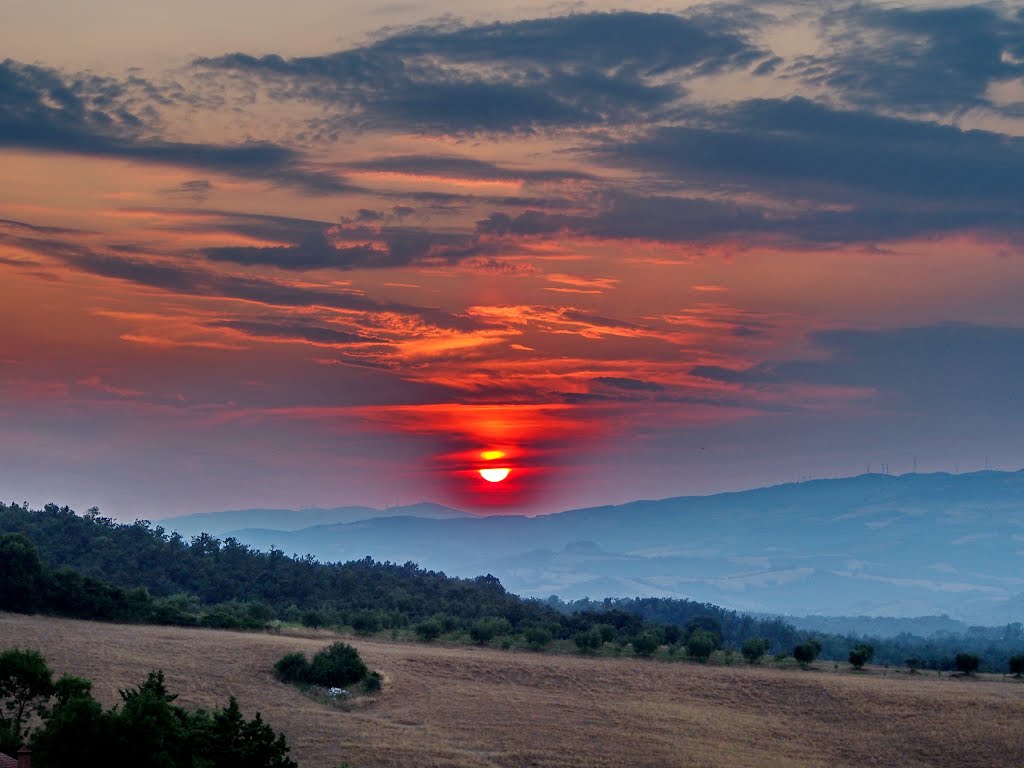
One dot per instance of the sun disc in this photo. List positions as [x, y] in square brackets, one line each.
[494, 474]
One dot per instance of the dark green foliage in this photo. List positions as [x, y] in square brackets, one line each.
[646, 644]
[807, 652]
[861, 654]
[1016, 665]
[373, 683]
[589, 640]
[148, 729]
[428, 630]
[537, 637]
[292, 667]
[701, 644]
[366, 622]
[754, 649]
[26, 684]
[313, 619]
[485, 630]
[336, 666]
[913, 664]
[21, 574]
[967, 663]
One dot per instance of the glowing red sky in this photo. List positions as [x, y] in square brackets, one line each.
[641, 254]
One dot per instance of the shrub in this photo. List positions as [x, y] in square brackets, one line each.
[913, 663]
[292, 668]
[754, 648]
[372, 683]
[337, 665]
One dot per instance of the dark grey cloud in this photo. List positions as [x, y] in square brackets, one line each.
[42, 109]
[956, 367]
[632, 385]
[577, 70]
[895, 177]
[918, 60]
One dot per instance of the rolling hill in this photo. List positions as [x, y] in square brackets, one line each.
[915, 544]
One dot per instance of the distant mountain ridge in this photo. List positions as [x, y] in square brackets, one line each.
[871, 545]
[220, 523]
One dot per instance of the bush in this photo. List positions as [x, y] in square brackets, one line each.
[292, 668]
[373, 683]
[336, 666]
[966, 663]
[754, 648]
[913, 664]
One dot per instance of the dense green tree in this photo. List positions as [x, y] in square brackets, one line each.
[913, 664]
[646, 644]
[21, 574]
[149, 729]
[485, 630]
[861, 654]
[538, 637]
[589, 640]
[313, 619]
[337, 665]
[967, 663]
[754, 649]
[701, 644]
[1016, 664]
[428, 630]
[807, 652]
[293, 667]
[26, 684]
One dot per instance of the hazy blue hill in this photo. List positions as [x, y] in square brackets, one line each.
[870, 545]
[219, 523]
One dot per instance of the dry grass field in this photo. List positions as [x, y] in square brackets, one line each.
[471, 707]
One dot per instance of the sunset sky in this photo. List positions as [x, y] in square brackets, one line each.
[321, 253]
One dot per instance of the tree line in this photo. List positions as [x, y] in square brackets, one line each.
[55, 561]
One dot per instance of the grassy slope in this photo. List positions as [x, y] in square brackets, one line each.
[447, 706]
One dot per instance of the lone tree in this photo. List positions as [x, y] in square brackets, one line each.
[861, 654]
[967, 663]
[701, 644]
[913, 664]
[428, 630]
[807, 652]
[754, 649]
[1017, 665]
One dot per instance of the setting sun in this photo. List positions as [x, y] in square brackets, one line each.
[494, 474]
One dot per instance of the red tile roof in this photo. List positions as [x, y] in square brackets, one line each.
[7, 761]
